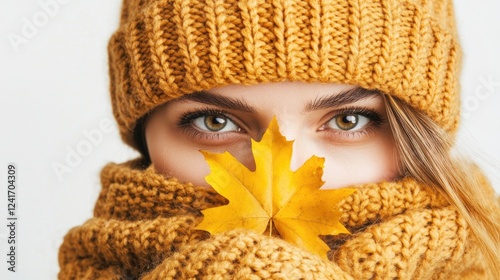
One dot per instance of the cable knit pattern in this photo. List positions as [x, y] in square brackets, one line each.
[165, 49]
[143, 229]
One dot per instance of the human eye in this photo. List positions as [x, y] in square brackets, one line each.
[348, 122]
[208, 123]
[353, 123]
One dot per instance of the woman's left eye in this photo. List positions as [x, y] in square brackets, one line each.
[214, 123]
[348, 122]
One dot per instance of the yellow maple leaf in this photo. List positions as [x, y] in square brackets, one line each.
[274, 195]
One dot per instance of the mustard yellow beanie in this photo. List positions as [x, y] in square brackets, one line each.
[164, 49]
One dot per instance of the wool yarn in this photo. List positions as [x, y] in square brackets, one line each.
[164, 49]
[143, 229]
[143, 224]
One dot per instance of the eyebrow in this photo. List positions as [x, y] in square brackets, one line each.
[208, 98]
[343, 98]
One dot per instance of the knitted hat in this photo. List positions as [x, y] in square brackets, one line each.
[164, 49]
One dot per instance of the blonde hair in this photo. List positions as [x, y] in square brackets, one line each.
[425, 151]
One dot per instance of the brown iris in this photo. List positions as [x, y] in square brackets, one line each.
[346, 122]
[215, 123]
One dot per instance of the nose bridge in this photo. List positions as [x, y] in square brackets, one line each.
[292, 127]
[288, 117]
[303, 149]
[296, 160]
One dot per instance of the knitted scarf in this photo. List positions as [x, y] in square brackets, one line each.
[143, 229]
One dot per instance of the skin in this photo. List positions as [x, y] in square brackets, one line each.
[358, 146]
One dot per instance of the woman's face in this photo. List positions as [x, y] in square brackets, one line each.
[345, 125]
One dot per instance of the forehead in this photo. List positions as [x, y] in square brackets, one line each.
[289, 96]
[286, 90]
[300, 96]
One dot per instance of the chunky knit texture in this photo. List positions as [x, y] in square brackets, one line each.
[165, 49]
[143, 229]
[143, 224]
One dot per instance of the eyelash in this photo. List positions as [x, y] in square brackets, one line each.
[186, 119]
[376, 120]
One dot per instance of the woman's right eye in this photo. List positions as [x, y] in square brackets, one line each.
[214, 123]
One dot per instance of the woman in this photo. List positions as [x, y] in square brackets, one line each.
[371, 86]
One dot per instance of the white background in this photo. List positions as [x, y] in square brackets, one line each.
[55, 87]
